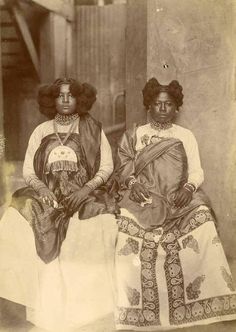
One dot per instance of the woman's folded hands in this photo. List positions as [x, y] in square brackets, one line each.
[139, 193]
[183, 198]
[47, 196]
[73, 201]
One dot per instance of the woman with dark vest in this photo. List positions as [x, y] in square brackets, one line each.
[57, 238]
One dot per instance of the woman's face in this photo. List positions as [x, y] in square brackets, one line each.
[65, 103]
[163, 108]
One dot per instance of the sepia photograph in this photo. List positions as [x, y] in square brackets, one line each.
[117, 165]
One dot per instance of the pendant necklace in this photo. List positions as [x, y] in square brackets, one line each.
[63, 152]
[70, 131]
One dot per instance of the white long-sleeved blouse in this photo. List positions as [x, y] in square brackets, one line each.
[145, 133]
[47, 128]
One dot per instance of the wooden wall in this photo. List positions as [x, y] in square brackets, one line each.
[100, 55]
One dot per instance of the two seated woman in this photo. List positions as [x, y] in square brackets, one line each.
[62, 234]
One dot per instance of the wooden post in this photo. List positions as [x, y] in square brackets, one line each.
[56, 53]
[70, 50]
[146, 55]
[136, 59]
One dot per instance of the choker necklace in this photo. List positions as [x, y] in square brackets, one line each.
[160, 126]
[65, 120]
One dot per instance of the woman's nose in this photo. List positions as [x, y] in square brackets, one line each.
[65, 98]
[163, 107]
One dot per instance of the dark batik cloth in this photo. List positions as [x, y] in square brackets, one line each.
[162, 167]
[50, 224]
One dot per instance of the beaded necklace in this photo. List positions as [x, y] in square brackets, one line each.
[64, 119]
[160, 126]
[70, 131]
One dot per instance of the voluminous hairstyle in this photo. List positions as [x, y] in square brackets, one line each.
[152, 89]
[84, 93]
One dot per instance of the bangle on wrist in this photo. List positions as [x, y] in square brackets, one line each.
[38, 185]
[90, 186]
[96, 182]
[190, 187]
[89, 189]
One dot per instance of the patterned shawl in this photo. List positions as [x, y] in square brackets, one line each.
[162, 168]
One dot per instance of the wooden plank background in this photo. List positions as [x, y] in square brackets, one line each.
[100, 55]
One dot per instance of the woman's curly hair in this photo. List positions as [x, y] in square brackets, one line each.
[84, 93]
[152, 89]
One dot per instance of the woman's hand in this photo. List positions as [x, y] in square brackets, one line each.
[47, 196]
[73, 201]
[183, 198]
[138, 192]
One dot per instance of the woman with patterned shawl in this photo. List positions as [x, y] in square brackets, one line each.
[57, 238]
[171, 269]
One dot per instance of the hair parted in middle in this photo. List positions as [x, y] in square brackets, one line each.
[84, 93]
[152, 89]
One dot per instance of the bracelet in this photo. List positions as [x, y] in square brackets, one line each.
[131, 182]
[96, 182]
[190, 187]
[34, 182]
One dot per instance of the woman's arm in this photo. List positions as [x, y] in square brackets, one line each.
[106, 165]
[195, 171]
[28, 167]
[29, 175]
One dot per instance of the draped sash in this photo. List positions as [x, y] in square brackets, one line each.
[162, 168]
[50, 224]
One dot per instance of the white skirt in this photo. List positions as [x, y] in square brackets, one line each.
[171, 279]
[76, 288]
